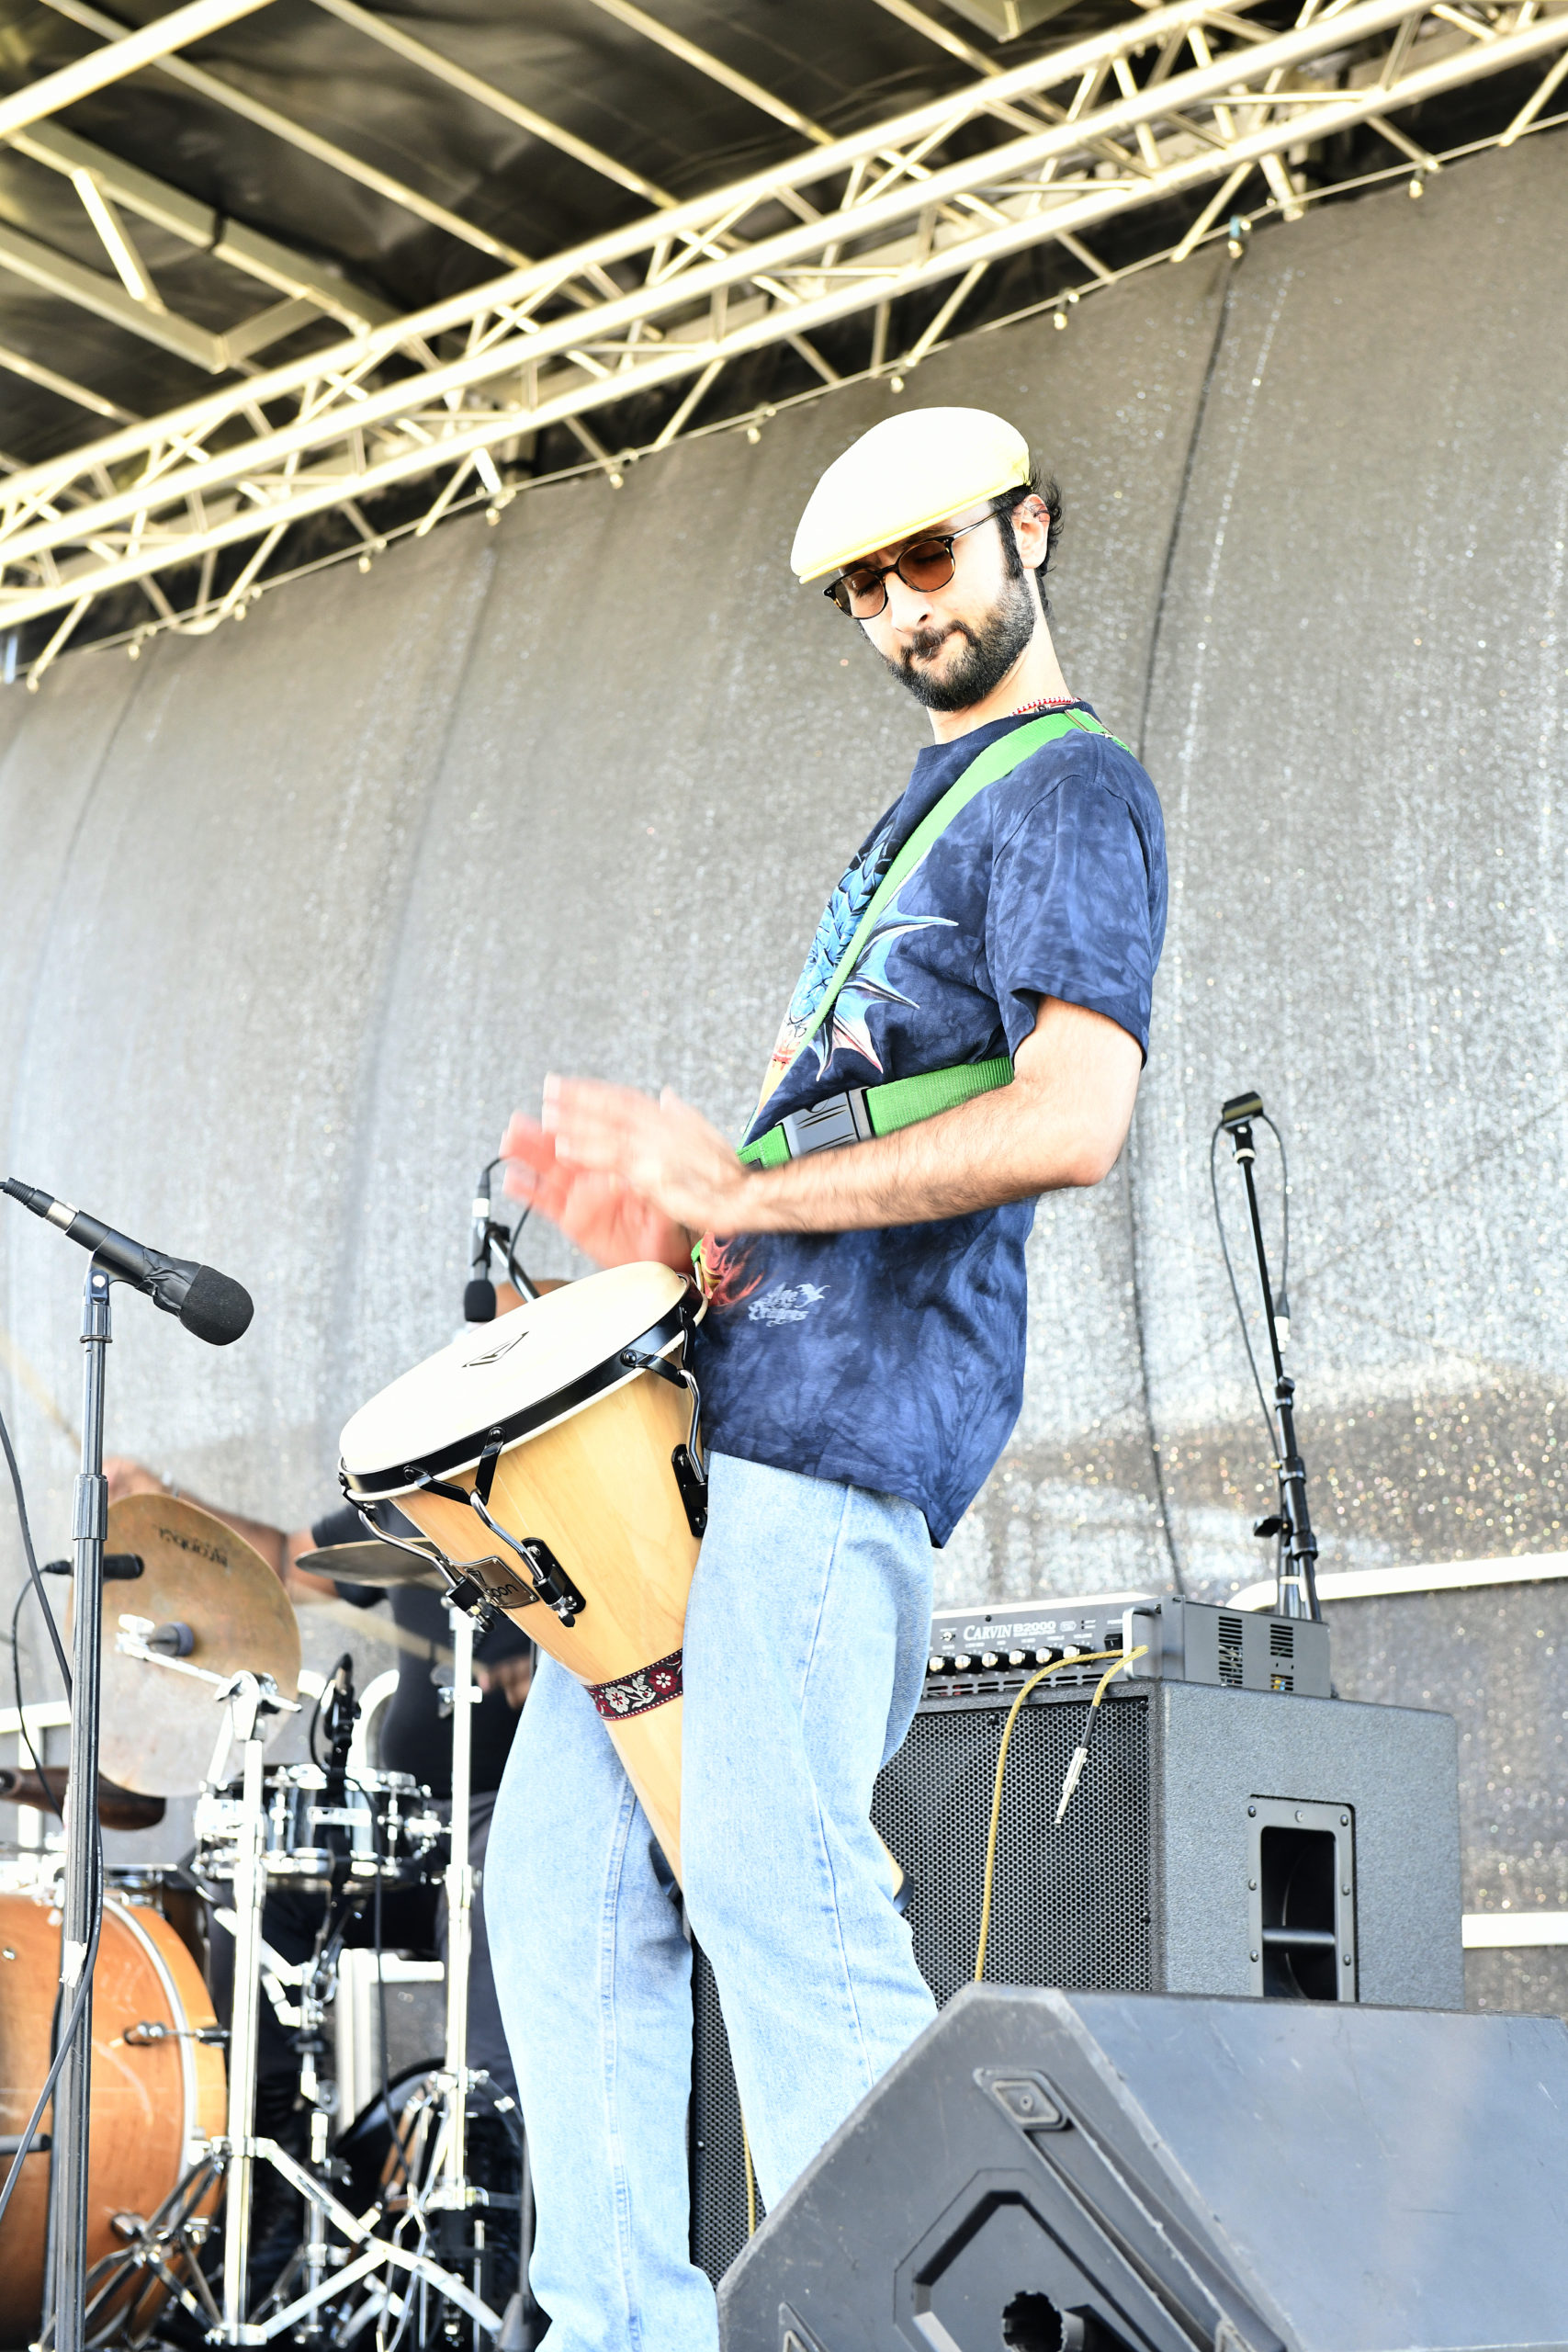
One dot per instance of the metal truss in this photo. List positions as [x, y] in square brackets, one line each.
[1187, 100]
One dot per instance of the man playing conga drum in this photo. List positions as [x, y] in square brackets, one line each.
[862, 1367]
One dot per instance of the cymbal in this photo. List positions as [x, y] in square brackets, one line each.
[159, 1727]
[370, 1563]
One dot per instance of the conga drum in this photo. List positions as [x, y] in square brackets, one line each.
[552, 1458]
[158, 2093]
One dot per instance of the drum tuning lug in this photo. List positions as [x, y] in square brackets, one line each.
[473, 1601]
[640, 1359]
[694, 1490]
[551, 1582]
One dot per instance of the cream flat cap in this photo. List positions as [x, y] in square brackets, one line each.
[907, 474]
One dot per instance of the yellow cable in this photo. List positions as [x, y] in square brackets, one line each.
[1088, 1659]
[1080, 1753]
[1111, 1671]
[750, 2182]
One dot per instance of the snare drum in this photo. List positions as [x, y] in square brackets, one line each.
[384, 1825]
[552, 1457]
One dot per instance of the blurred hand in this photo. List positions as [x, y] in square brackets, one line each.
[511, 1675]
[127, 1477]
[665, 1153]
[611, 1222]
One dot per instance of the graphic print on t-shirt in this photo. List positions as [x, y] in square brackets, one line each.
[867, 984]
[722, 1271]
[834, 932]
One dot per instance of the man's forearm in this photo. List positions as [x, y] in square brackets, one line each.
[1007, 1146]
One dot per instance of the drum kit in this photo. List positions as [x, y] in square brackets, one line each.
[551, 1466]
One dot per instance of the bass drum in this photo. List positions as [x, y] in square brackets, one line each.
[156, 2098]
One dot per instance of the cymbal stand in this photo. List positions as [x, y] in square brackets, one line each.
[452, 2191]
[244, 1702]
[449, 2190]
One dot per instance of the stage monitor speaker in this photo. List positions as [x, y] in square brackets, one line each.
[1072, 2172]
[1221, 1840]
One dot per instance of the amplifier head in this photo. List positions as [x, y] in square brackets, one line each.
[988, 1649]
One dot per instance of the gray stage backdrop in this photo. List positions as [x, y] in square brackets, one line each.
[293, 915]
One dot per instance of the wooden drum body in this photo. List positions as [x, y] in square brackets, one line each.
[155, 2102]
[581, 1474]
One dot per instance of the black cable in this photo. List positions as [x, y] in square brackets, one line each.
[24, 2146]
[520, 1280]
[31, 1556]
[53, 1802]
[1284, 1209]
[1162, 1491]
[1230, 1275]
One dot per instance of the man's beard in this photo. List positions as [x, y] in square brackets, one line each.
[988, 653]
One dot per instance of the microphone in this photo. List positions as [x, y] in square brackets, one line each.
[208, 1303]
[479, 1295]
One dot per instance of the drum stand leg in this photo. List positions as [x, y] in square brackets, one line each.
[250, 1894]
[316, 2257]
[452, 2191]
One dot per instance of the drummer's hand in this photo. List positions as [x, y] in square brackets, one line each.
[665, 1151]
[127, 1477]
[594, 1208]
[511, 1675]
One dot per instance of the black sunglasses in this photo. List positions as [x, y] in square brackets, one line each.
[925, 564]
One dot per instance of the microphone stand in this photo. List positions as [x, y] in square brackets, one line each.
[73, 2102]
[1296, 1594]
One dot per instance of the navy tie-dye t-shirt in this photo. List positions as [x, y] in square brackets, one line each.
[894, 1360]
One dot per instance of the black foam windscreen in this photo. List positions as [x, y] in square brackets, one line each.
[216, 1308]
[479, 1301]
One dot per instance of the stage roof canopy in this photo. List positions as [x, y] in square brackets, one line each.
[282, 279]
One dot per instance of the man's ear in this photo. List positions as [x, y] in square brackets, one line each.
[1034, 509]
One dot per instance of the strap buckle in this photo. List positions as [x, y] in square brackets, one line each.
[837, 1119]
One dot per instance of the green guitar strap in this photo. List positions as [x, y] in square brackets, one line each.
[904, 1101]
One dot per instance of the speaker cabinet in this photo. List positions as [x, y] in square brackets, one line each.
[1221, 1840]
[1072, 2172]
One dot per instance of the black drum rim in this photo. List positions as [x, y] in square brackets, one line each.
[529, 1420]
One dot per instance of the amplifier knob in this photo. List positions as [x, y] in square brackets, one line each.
[1015, 1657]
[934, 1665]
[987, 1657]
[963, 1661]
[1042, 1658]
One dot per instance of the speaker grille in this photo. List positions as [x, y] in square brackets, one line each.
[717, 2152]
[1070, 1906]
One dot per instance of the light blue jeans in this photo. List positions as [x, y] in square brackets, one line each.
[806, 1640]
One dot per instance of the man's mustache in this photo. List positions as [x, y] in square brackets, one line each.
[927, 642]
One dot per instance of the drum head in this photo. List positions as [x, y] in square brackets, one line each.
[517, 1376]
